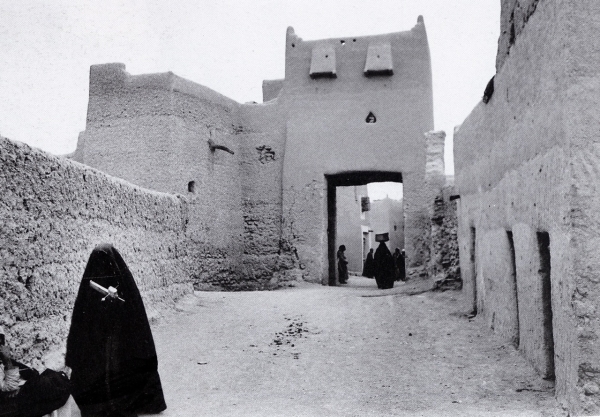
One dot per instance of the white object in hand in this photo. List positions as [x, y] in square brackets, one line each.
[111, 292]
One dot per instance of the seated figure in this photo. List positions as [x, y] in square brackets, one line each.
[26, 393]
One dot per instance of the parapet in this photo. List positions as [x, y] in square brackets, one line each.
[271, 89]
[352, 58]
[107, 78]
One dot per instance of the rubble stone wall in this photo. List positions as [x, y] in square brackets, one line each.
[444, 266]
[53, 212]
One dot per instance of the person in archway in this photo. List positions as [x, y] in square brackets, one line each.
[400, 268]
[342, 265]
[384, 265]
[369, 265]
[110, 348]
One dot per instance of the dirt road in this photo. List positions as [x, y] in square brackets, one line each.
[340, 351]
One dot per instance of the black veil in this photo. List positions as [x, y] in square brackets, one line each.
[110, 348]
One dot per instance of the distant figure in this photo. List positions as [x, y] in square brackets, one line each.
[342, 265]
[369, 267]
[110, 347]
[384, 267]
[399, 264]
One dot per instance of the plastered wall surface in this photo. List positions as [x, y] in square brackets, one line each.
[527, 163]
[53, 213]
[327, 134]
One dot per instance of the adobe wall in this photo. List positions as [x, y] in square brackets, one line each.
[54, 212]
[153, 130]
[526, 164]
[327, 134]
[268, 261]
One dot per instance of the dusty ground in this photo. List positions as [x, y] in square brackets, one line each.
[340, 351]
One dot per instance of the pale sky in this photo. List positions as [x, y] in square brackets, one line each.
[230, 46]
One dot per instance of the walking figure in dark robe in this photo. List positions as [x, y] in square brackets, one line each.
[399, 265]
[384, 267]
[110, 347]
[369, 267]
[342, 265]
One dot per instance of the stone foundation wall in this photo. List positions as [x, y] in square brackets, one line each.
[443, 265]
[53, 212]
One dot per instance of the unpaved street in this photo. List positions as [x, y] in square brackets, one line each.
[339, 351]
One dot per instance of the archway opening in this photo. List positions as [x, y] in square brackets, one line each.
[361, 205]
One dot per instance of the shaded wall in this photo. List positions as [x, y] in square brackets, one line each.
[526, 169]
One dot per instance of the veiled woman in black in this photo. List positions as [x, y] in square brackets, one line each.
[384, 267]
[369, 267]
[110, 347]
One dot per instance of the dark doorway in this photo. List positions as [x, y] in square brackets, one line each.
[473, 264]
[513, 286]
[543, 240]
[347, 179]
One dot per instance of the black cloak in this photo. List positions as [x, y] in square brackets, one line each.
[384, 267]
[110, 347]
[369, 267]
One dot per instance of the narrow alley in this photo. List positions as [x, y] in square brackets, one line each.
[313, 350]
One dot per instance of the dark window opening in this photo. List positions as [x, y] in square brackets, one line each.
[513, 285]
[365, 204]
[543, 240]
[192, 187]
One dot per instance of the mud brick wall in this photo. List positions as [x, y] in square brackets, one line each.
[514, 16]
[527, 173]
[267, 260]
[53, 212]
[153, 130]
